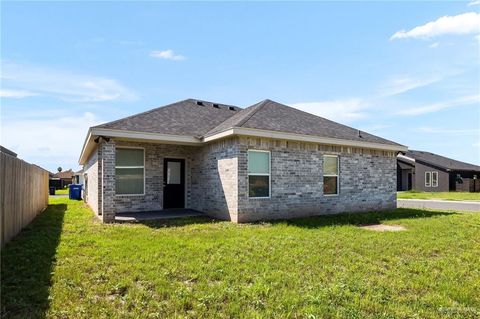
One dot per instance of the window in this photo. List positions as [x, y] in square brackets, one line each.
[434, 179]
[428, 179]
[330, 175]
[258, 174]
[129, 171]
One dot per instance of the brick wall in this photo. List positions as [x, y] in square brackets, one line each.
[367, 180]
[217, 180]
[107, 180]
[154, 156]
[214, 179]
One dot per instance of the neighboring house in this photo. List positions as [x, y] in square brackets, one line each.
[61, 179]
[266, 161]
[430, 172]
[78, 177]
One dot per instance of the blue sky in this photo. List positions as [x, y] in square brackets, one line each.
[406, 71]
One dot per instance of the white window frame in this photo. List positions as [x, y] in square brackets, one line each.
[429, 184]
[257, 174]
[436, 179]
[329, 175]
[144, 177]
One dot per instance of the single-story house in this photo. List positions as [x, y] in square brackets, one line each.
[266, 161]
[428, 172]
[78, 177]
[61, 179]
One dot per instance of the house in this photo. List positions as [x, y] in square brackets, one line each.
[428, 172]
[78, 177]
[266, 161]
[60, 180]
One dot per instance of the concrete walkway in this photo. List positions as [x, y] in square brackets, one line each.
[156, 215]
[439, 204]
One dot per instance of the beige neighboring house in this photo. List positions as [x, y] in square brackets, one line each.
[266, 161]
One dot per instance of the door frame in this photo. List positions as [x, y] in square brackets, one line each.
[185, 174]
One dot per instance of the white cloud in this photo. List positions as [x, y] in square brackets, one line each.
[402, 84]
[346, 110]
[434, 45]
[430, 108]
[64, 85]
[474, 3]
[466, 23]
[52, 142]
[476, 144]
[167, 54]
[15, 94]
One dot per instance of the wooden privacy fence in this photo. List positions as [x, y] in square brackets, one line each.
[23, 195]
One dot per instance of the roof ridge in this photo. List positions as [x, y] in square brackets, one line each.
[141, 113]
[259, 106]
[243, 118]
[166, 106]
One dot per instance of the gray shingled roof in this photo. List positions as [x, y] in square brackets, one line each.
[273, 116]
[441, 161]
[180, 118]
[190, 119]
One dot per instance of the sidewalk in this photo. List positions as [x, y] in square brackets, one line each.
[439, 204]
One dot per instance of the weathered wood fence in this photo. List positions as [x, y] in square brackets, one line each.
[23, 195]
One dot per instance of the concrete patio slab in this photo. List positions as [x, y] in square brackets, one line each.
[156, 215]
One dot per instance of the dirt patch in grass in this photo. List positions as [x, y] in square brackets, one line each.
[382, 228]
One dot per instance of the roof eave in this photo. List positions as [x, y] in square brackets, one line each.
[303, 138]
[95, 132]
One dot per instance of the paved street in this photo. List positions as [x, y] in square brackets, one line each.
[439, 204]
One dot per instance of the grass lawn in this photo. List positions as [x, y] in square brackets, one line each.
[439, 195]
[68, 265]
[61, 191]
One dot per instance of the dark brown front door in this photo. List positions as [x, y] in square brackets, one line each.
[173, 183]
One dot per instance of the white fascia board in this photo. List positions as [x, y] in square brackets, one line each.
[305, 138]
[144, 136]
[87, 148]
[401, 156]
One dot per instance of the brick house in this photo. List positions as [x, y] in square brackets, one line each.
[267, 161]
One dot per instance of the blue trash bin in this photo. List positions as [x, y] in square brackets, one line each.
[75, 191]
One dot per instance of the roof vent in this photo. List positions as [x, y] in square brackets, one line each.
[231, 108]
[200, 103]
[360, 134]
[216, 106]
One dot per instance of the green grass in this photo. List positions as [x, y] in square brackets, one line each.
[439, 195]
[61, 191]
[68, 265]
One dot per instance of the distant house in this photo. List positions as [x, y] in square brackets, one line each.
[266, 161]
[78, 177]
[61, 179]
[428, 172]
